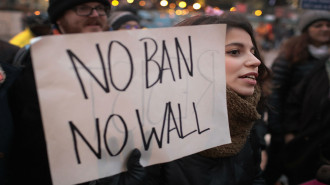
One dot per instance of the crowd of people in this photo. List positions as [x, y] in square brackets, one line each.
[294, 94]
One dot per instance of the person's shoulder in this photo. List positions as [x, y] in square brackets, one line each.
[22, 56]
[7, 51]
[7, 45]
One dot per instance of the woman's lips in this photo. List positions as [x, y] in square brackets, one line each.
[250, 78]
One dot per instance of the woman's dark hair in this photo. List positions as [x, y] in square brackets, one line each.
[234, 20]
[295, 49]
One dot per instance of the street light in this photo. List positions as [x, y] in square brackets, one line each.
[182, 4]
[197, 6]
[258, 12]
[115, 3]
[163, 3]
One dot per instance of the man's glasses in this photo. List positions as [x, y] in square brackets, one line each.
[84, 10]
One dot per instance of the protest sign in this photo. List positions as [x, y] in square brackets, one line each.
[101, 95]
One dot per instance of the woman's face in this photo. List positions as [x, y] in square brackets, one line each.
[241, 64]
[319, 32]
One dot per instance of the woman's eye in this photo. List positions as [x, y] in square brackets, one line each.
[233, 52]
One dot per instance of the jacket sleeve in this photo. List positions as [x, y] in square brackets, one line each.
[296, 98]
[256, 149]
[280, 87]
[293, 109]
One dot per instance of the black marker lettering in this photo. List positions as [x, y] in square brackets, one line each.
[196, 116]
[153, 132]
[105, 135]
[181, 129]
[165, 53]
[75, 130]
[179, 50]
[131, 66]
[74, 58]
[171, 114]
[150, 59]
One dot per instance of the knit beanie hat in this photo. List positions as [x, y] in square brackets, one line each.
[311, 16]
[58, 7]
[118, 18]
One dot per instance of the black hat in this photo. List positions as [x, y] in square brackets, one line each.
[119, 18]
[58, 7]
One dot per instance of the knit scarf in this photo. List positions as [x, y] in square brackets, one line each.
[242, 114]
[320, 53]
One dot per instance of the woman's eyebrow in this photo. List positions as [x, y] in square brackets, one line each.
[239, 45]
[235, 44]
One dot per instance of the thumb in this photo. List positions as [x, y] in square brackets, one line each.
[134, 160]
[136, 172]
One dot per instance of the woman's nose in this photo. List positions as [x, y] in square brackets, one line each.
[253, 61]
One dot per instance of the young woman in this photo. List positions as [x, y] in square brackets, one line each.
[231, 164]
[238, 162]
[307, 155]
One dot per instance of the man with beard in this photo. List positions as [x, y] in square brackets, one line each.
[79, 16]
[28, 159]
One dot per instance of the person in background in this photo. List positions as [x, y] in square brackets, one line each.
[307, 152]
[7, 76]
[36, 25]
[280, 30]
[265, 35]
[297, 57]
[28, 160]
[124, 19]
[231, 164]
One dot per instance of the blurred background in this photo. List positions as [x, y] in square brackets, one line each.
[263, 14]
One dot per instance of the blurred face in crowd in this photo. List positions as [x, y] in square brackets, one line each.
[319, 32]
[240, 61]
[87, 17]
[130, 25]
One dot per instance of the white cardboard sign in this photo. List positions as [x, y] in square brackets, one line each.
[103, 94]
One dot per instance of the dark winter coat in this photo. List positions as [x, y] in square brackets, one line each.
[308, 117]
[28, 162]
[7, 53]
[241, 169]
[285, 76]
[6, 125]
